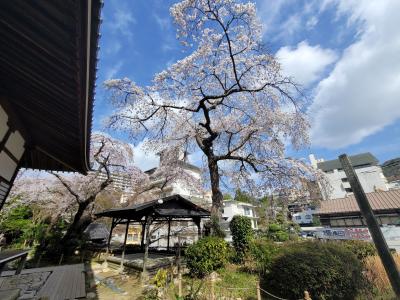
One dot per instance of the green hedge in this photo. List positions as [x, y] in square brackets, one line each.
[242, 234]
[325, 270]
[207, 255]
[277, 232]
[361, 249]
[260, 254]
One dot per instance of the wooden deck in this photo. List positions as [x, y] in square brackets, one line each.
[64, 282]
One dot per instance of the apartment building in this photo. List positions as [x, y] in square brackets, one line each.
[366, 167]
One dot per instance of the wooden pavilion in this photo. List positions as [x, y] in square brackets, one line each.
[48, 56]
[163, 210]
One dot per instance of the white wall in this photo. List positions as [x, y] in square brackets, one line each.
[371, 179]
[3, 123]
[15, 144]
[233, 208]
[304, 217]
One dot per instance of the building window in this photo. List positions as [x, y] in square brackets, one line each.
[334, 223]
[298, 218]
[247, 211]
[348, 190]
[384, 220]
[341, 222]
[308, 217]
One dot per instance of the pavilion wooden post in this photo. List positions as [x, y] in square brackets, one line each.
[373, 226]
[121, 268]
[110, 235]
[169, 233]
[197, 221]
[105, 264]
[143, 234]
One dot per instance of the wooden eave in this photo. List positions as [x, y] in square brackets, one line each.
[48, 56]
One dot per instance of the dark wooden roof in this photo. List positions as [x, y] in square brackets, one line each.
[48, 55]
[174, 206]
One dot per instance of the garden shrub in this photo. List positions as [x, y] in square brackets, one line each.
[207, 255]
[325, 270]
[160, 279]
[242, 234]
[362, 249]
[260, 255]
[17, 224]
[277, 233]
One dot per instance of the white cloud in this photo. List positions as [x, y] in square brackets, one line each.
[362, 93]
[122, 22]
[112, 71]
[269, 11]
[280, 24]
[112, 47]
[291, 25]
[163, 22]
[305, 63]
[144, 159]
[312, 22]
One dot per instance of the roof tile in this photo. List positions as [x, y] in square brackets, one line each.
[378, 201]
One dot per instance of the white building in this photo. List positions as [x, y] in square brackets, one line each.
[303, 217]
[233, 208]
[120, 181]
[394, 185]
[367, 169]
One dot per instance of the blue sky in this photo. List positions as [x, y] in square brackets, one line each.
[346, 54]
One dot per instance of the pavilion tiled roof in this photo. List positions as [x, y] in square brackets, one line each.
[379, 201]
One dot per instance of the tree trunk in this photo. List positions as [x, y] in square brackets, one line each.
[217, 197]
[146, 249]
[72, 230]
[217, 200]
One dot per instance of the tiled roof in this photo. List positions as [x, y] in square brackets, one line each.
[378, 200]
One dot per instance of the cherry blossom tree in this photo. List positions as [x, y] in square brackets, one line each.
[73, 196]
[228, 98]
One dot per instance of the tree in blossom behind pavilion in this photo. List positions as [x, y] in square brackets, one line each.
[228, 98]
[74, 197]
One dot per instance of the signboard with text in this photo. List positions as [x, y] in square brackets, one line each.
[391, 234]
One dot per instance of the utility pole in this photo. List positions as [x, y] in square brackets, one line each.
[373, 226]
